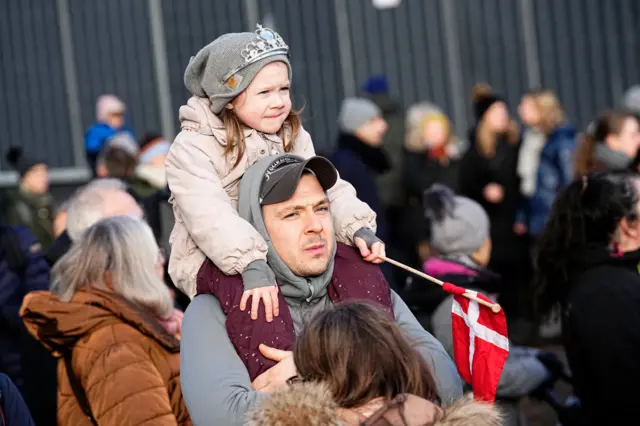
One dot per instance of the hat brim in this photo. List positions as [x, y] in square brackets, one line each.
[286, 186]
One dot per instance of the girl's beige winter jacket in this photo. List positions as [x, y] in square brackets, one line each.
[204, 187]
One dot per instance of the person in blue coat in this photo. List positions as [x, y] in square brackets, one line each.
[555, 160]
[110, 119]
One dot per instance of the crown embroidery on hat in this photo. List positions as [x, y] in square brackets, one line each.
[265, 43]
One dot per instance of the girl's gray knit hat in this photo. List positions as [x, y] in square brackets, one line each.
[224, 68]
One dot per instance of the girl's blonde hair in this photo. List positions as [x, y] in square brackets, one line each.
[124, 247]
[235, 133]
[486, 140]
[550, 109]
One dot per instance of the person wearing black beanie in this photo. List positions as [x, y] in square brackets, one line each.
[30, 204]
[489, 176]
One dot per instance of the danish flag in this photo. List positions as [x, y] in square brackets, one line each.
[480, 342]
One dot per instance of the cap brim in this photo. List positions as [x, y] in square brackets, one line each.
[286, 186]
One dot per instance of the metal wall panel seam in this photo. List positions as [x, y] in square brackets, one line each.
[161, 68]
[71, 82]
[454, 63]
[344, 48]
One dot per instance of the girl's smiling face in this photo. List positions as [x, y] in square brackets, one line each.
[266, 102]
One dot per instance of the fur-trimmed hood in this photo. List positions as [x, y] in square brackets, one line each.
[311, 404]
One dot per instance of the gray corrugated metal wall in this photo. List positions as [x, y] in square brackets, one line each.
[586, 50]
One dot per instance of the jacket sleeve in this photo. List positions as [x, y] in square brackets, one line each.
[125, 388]
[565, 160]
[206, 210]
[446, 375]
[215, 382]
[349, 213]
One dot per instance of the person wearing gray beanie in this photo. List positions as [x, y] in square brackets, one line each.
[460, 236]
[459, 225]
[355, 113]
[240, 113]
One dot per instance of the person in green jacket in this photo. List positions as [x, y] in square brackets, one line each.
[30, 204]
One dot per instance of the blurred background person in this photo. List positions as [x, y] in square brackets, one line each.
[23, 269]
[30, 204]
[110, 119]
[151, 157]
[587, 263]
[610, 143]
[491, 179]
[550, 162]
[460, 238]
[99, 199]
[432, 151]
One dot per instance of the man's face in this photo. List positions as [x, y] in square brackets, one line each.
[301, 229]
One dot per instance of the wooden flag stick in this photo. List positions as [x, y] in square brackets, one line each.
[493, 306]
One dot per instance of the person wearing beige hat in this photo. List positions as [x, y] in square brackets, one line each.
[240, 112]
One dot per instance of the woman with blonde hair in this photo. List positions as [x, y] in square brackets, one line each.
[547, 168]
[489, 177]
[356, 367]
[432, 151]
[110, 321]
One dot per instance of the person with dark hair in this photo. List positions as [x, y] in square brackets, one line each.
[363, 371]
[609, 143]
[587, 263]
[30, 204]
[153, 153]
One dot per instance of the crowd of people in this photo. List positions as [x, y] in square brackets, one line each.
[269, 302]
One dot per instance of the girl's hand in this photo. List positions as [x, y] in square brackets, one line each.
[269, 296]
[371, 255]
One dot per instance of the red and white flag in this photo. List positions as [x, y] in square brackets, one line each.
[480, 342]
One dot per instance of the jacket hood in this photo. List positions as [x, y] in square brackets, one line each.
[249, 208]
[312, 404]
[59, 325]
